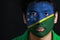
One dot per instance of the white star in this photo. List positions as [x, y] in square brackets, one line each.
[27, 13]
[28, 19]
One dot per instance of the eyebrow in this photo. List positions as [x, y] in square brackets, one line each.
[33, 11]
[46, 10]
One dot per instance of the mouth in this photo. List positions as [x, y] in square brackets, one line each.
[40, 29]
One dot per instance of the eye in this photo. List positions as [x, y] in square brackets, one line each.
[33, 14]
[46, 14]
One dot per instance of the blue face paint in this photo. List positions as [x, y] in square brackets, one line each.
[37, 11]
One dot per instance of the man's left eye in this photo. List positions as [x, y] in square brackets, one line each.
[46, 14]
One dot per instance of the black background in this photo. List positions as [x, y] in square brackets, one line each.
[11, 19]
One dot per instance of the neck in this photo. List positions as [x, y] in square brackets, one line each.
[47, 37]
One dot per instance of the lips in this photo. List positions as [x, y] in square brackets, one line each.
[40, 29]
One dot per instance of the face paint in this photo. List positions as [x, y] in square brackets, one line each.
[39, 18]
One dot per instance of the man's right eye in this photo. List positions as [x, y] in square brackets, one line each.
[32, 14]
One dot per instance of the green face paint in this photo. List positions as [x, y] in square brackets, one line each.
[39, 14]
[47, 25]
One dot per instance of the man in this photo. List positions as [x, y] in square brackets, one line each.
[40, 19]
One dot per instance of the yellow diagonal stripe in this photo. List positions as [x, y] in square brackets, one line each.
[41, 20]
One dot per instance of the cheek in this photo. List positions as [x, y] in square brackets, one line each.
[31, 20]
[49, 24]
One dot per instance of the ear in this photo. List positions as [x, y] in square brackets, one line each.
[55, 17]
[24, 19]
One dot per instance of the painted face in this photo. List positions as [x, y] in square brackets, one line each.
[39, 18]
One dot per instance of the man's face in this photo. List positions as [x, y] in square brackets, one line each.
[39, 18]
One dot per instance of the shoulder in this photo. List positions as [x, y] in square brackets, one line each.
[22, 37]
[56, 36]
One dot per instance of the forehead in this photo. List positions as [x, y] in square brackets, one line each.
[39, 6]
